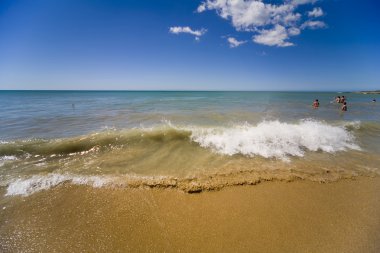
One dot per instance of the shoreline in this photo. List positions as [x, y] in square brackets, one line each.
[376, 92]
[190, 185]
[300, 216]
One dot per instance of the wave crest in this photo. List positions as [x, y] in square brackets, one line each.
[269, 139]
[276, 139]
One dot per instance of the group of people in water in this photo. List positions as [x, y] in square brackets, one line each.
[338, 99]
[342, 100]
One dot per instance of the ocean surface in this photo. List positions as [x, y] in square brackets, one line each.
[191, 141]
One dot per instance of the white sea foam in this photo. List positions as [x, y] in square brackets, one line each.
[4, 159]
[8, 158]
[37, 183]
[353, 124]
[275, 139]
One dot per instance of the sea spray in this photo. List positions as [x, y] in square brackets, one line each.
[275, 139]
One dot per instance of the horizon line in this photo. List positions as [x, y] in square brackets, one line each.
[184, 90]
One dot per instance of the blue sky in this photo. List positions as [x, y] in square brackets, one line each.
[190, 44]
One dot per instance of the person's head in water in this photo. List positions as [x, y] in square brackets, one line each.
[316, 103]
[374, 100]
[344, 106]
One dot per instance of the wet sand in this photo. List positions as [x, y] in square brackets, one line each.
[298, 216]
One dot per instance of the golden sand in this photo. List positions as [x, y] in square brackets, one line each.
[300, 216]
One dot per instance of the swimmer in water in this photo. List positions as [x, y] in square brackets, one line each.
[316, 104]
[344, 107]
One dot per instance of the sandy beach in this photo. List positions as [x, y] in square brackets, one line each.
[298, 216]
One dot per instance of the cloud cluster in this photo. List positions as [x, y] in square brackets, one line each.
[271, 24]
[186, 29]
[234, 42]
[315, 13]
[273, 37]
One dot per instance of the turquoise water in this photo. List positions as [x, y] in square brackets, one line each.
[52, 114]
[134, 137]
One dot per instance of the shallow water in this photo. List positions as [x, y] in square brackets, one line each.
[187, 140]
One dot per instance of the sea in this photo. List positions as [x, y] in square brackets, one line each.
[192, 141]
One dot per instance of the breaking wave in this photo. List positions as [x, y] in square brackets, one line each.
[268, 139]
[276, 139]
[211, 157]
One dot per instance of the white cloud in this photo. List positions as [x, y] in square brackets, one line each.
[294, 31]
[272, 24]
[291, 18]
[313, 25]
[201, 8]
[273, 37]
[315, 13]
[300, 2]
[186, 29]
[234, 42]
[248, 14]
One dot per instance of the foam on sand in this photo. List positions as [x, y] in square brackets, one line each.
[37, 183]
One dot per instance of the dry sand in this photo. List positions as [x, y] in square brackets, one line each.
[299, 216]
